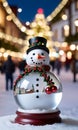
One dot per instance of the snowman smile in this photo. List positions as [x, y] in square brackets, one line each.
[38, 59]
[38, 62]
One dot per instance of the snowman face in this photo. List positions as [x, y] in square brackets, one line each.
[37, 57]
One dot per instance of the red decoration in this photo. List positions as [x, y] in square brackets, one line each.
[40, 11]
[20, 76]
[46, 67]
[48, 90]
[54, 89]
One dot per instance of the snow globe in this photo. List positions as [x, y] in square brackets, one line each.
[37, 91]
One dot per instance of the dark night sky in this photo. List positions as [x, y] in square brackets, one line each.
[30, 7]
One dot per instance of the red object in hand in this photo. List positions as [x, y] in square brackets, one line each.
[48, 90]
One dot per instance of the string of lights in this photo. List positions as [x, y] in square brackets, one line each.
[21, 26]
[57, 10]
[14, 18]
[12, 39]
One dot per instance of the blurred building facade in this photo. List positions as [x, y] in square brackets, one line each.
[65, 30]
[9, 32]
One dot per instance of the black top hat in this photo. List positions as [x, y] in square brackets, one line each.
[37, 43]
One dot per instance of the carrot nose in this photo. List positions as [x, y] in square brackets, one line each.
[40, 56]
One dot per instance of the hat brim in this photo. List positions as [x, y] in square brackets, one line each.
[38, 47]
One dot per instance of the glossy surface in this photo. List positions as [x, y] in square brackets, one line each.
[30, 92]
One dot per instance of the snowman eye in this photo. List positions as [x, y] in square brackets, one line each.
[33, 53]
[42, 53]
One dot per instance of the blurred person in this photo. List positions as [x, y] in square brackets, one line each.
[67, 64]
[9, 69]
[22, 65]
[74, 68]
[0, 66]
[58, 65]
[52, 63]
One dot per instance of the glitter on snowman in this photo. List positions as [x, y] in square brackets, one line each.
[37, 87]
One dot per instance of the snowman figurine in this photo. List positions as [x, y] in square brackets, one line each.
[37, 91]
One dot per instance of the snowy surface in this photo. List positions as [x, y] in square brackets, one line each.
[68, 106]
[68, 123]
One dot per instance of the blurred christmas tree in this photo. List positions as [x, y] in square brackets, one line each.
[40, 27]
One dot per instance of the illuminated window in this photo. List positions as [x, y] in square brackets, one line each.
[2, 17]
[76, 4]
[76, 25]
[65, 30]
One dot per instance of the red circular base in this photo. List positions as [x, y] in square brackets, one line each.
[37, 118]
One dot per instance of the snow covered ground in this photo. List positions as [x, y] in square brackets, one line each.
[68, 106]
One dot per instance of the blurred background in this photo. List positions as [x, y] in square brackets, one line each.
[57, 22]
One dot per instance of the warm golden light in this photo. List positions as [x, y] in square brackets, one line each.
[2, 50]
[9, 18]
[57, 10]
[64, 17]
[66, 30]
[14, 18]
[64, 44]
[23, 29]
[33, 24]
[2, 18]
[72, 47]
[5, 4]
[66, 27]
[61, 52]
[76, 22]
[69, 55]
[9, 10]
[5, 54]
[63, 58]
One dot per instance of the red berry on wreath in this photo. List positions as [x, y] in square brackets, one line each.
[53, 89]
[34, 68]
[20, 76]
[29, 69]
[48, 90]
[39, 68]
